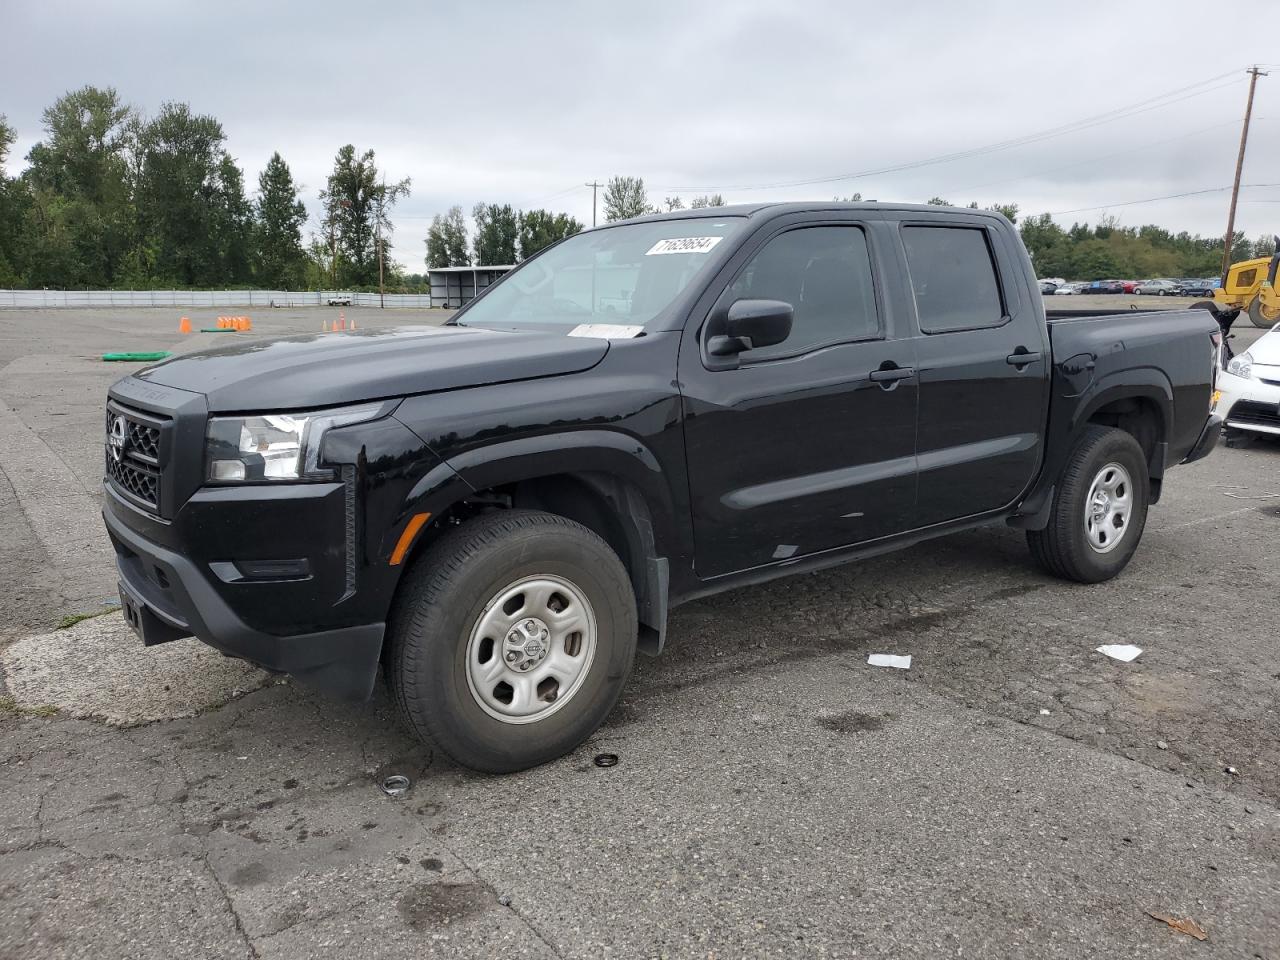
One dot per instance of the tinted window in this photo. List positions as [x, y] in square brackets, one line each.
[954, 278]
[825, 274]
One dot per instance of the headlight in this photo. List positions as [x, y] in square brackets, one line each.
[276, 446]
[1241, 366]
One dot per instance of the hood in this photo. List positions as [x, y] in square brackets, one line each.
[320, 370]
[1266, 349]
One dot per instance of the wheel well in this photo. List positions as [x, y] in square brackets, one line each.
[1138, 416]
[1141, 418]
[597, 501]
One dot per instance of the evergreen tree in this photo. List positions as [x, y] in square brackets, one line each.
[280, 216]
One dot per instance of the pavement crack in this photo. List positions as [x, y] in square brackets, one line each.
[230, 905]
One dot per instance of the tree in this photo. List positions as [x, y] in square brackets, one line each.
[13, 211]
[673, 203]
[357, 201]
[181, 179]
[707, 200]
[78, 179]
[280, 216]
[541, 228]
[625, 197]
[447, 240]
[855, 198]
[231, 221]
[497, 232]
[938, 202]
[1010, 210]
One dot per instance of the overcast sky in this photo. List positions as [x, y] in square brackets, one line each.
[522, 103]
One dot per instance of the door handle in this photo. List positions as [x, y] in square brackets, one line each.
[892, 375]
[1020, 358]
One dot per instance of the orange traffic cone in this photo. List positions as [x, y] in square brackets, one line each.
[324, 325]
[248, 323]
[184, 325]
[342, 320]
[353, 323]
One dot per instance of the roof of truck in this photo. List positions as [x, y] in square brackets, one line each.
[778, 209]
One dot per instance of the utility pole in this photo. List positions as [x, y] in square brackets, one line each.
[594, 187]
[1254, 74]
[382, 194]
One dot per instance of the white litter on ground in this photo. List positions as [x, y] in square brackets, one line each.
[1120, 651]
[890, 660]
[1044, 712]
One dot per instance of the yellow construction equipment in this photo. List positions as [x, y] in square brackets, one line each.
[1250, 287]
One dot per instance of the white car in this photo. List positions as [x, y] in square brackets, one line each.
[1250, 387]
[1067, 290]
[340, 300]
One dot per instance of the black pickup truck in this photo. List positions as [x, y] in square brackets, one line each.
[502, 510]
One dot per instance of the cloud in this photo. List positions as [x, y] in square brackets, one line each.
[523, 103]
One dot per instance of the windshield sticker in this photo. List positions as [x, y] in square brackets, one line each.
[606, 331]
[683, 245]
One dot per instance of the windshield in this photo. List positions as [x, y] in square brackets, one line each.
[624, 275]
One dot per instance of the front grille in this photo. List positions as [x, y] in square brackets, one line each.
[1255, 413]
[133, 454]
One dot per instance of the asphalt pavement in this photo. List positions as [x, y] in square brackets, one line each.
[1013, 794]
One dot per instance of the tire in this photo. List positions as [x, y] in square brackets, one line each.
[450, 598]
[1066, 547]
[1256, 317]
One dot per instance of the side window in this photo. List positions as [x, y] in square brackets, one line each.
[825, 274]
[953, 276]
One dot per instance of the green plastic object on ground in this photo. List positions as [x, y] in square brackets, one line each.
[136, 357]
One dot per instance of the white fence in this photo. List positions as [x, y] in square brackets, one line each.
[40, 299]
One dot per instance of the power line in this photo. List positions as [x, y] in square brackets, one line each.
[1081, 163]
[1172, 196]
[1120, 113]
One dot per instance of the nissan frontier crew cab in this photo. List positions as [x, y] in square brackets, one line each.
[501, 511]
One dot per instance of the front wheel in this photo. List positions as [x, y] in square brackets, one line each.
[511, 640]
[1099, 509]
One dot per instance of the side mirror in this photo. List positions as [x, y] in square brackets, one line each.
[749, 324]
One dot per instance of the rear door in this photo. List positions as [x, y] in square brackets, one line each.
[796, 448]
[983, 362]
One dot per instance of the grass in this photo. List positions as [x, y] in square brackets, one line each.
[72, 619]
[8, 705]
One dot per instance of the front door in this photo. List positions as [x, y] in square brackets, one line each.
[796, 448]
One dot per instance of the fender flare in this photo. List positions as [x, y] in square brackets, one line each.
[618, 468]
[1146, 383]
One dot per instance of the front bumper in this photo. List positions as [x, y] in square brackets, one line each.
[1252, 404]
[176, 596]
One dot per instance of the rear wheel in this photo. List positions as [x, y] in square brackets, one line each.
[512, 639]
[1099, 509]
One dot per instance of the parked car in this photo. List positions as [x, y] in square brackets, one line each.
[1199, 288]
[1249, 387]
[1158, 288]
[1104, 286]
[1067, 290]
[340, 300]
[499, 512]
[1129, 285]
[1047, 286]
